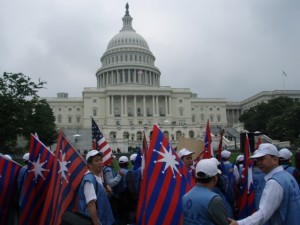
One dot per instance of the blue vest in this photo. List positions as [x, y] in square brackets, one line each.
[195, 206]
[289, 169]
[104, 212]
[226, 168]
[288, 211]
[137, 175]
[258, 184]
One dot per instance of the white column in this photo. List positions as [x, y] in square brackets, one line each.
[166, 103]
[153, 106]
[107, 103]
[156, 105]
[112, 105]
[126, 105]
[144, 105]
[122, 106]
[123, 76]
[134, 106]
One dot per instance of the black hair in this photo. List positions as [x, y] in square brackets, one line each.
[203, 178]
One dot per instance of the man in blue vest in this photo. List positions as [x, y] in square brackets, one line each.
[200, 205]
[285, 161]
[93, 201]
[126, 194]
[280, 201]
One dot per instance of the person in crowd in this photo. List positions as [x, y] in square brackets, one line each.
[286, 162]
[126, 195]
[201, 205]
[222, 188]
[112, 180]
[258, 183]
[186, 157]
[7, 156]
[280, 201]
[93, 200]
[229, 169]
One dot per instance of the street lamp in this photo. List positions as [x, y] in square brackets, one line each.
[76, 136]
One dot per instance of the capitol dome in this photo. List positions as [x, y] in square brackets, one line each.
[127, 59]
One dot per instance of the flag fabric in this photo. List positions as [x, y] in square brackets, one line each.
[247, 199]
[259, 141]
[138, 160]
[40, 166]
[68, 169]
[9, 171]
[220, 145]
[144, 153]
[207, 154]
[99, 143]
[163, 185]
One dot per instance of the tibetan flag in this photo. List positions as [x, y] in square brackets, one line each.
[163, 185]
[68, 169]
[100, 144]
[207, 153]
[138, 160]
[220, 145]
[9, 171]
[40, 168]
[258, 143]
[247, 199]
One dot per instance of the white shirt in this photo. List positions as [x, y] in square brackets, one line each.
[270, 201]
[89, 190]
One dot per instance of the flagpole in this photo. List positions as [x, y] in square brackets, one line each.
[283, 79]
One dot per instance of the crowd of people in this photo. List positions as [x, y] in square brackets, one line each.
[109, 197]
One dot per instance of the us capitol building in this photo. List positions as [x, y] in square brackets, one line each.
[128, 100]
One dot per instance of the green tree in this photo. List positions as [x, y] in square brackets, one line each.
[19, 107]
[279, 118]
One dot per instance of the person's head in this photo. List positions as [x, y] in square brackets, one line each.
[266, 157]
[207, 172]
[225, 154]
[94, 161]
[123, 162]
[239, 159]
[133, 158]
[26, 158]
[285, 155]
[186, 157]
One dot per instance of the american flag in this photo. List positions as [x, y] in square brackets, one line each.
[247, 198]
[99, 143]
[40, 167]
[68, 170]
[9, 171]
[163, 185]
[207, 154]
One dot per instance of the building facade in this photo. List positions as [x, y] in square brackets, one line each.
[128, 100]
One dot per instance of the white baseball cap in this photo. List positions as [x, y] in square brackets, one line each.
[92, 153]
[225, 154]
[265, 149]
[215, 161]
[26, 157]
[133, 157]
[208, 167]
[123, 159]
[240, 158]
[184, 152]
[285, 154]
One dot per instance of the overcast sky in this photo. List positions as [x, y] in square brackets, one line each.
[229, 49]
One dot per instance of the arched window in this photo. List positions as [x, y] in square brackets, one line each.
[139, 136]
[191, 134]
[126, 135]
[178, 134]
[112, 135]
